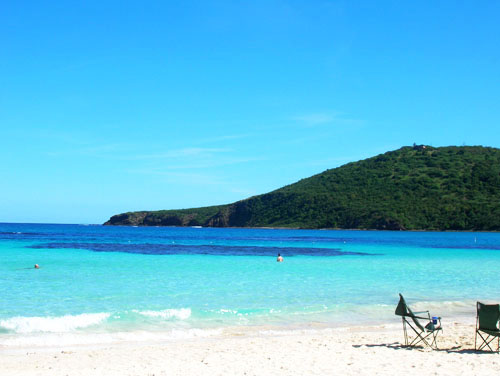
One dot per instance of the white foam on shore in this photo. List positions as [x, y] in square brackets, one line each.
[61, 324]
[179, 314]
[53, 340]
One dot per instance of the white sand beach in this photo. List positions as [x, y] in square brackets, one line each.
[367, 350]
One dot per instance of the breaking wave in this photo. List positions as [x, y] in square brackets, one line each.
[61, 324]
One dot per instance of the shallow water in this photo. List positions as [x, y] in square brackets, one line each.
[110, 281]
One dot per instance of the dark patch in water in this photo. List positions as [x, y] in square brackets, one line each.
[219, 250]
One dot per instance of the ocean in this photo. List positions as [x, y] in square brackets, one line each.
[100, 284]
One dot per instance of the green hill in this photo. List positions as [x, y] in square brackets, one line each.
[413, 188]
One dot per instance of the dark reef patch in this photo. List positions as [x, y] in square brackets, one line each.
[203, 249]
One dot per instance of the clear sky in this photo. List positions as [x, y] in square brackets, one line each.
[114, 106]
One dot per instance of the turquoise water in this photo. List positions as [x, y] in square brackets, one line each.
[97, 280]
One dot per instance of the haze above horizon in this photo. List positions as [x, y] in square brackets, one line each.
[108, 107]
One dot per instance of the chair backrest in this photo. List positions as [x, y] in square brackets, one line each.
[403, 310]
[488, 316]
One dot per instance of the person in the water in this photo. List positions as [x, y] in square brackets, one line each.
[280, 258]
[37, 266]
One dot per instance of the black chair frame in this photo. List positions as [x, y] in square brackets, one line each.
[427, 334]
[423, 336]
[488, 338]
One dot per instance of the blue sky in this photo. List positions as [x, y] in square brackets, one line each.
[114, 106]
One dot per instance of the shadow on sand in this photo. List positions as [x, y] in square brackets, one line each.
[398, 346]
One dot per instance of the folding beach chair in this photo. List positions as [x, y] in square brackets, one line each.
[423, 333]
[487, 322]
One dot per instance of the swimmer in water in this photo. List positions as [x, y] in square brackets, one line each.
[279, 259]
[37, 266]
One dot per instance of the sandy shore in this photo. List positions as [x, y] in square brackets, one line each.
[368, 350]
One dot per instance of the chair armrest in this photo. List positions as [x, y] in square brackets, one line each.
[418, 315]
[422, 318]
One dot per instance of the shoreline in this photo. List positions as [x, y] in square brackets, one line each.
[40, 335]
[68, 330]
[351, 350]
[256, 228]
[298, 228]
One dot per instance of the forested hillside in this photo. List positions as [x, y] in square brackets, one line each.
[413, 188]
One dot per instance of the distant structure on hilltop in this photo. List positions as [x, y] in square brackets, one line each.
[418, 147]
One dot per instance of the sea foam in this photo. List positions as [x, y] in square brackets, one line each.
[60, 324]
[179, 314]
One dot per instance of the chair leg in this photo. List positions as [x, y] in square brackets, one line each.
[419, 338]
[434, 337]
[404, 331]
[486, 342]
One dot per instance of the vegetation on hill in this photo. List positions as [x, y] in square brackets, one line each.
[413, 188]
